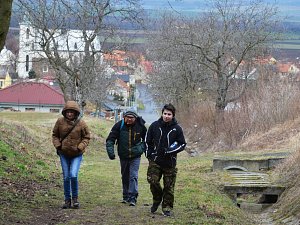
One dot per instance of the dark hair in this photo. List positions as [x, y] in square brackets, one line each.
[169, 107]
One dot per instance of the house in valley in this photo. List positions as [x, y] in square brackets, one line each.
[31, 96]
[5, 79]
[7, 68]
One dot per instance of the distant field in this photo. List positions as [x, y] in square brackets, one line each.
[292, 41]
[288, 44]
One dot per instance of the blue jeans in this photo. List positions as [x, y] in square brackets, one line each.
[70, 168]
[129, 172]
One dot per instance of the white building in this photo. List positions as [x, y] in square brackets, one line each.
[7, 58]
[30, 49]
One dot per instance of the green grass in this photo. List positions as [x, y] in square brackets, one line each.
[198, 199]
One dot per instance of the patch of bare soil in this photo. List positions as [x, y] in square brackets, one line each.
[20, 194]
[48, 216]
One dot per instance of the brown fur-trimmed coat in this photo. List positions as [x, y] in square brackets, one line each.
[77, 141]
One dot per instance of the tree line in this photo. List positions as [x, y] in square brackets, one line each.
[194, 58]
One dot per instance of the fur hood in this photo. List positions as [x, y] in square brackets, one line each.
[71, 105]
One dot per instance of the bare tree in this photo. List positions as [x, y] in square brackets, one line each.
[230, 33]
[5, 14]
[78, 64]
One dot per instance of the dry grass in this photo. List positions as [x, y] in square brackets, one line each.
[284, 137]
[288, 174]
[266, 120]
[266, 117]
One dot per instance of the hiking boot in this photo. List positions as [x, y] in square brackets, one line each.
[75, 203]
[167, 213]
[67, 204]
[154, 207]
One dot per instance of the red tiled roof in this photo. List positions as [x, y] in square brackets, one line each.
[31, 93]
[122, 84]
[147, 66]
[284, 67]
[266, 60]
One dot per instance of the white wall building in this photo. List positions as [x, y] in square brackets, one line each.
[7, 58]
[71, 40]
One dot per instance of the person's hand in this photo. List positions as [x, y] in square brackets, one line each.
[112, 157]
[165, 151]
[58, 149]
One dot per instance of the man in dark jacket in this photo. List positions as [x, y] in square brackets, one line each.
[129, 134]
[164, 140]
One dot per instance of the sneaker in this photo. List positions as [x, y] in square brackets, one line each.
[154, 207]
[167, 213]
[67, 204]
[124, 201]
[132, 203]
[75, 203]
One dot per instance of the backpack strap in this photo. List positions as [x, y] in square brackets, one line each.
[122, 124]
[69, 131]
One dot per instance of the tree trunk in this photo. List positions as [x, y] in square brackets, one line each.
[5, 13]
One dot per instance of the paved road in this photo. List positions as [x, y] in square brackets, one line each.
[150, 113]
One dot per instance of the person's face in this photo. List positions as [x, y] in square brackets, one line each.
[70, 114]
[167, 115]
[129, 120]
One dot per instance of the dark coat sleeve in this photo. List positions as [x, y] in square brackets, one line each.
[149, 140]
[144, 132]
[111, 139]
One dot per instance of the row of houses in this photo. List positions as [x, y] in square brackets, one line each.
[36, 96]
[127, 68]
[33, 95]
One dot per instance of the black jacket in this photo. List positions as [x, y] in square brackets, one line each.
[159, 138]
[130, 139]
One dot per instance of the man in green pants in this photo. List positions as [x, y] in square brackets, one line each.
[164, 140]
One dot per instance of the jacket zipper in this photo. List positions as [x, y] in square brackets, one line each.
[129, 142]
[168, 137]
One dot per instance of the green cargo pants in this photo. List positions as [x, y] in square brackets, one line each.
[165, 194]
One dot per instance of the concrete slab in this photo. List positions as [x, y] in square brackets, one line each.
[253, 207]
[256, 188]
[245, 164]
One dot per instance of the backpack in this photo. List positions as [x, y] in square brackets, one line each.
[122, 124]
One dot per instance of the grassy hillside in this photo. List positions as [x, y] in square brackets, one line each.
[31, 190]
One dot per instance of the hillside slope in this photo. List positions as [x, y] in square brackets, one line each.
[31, 195]
[284, 138]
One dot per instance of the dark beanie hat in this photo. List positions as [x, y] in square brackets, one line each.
[131, 113]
